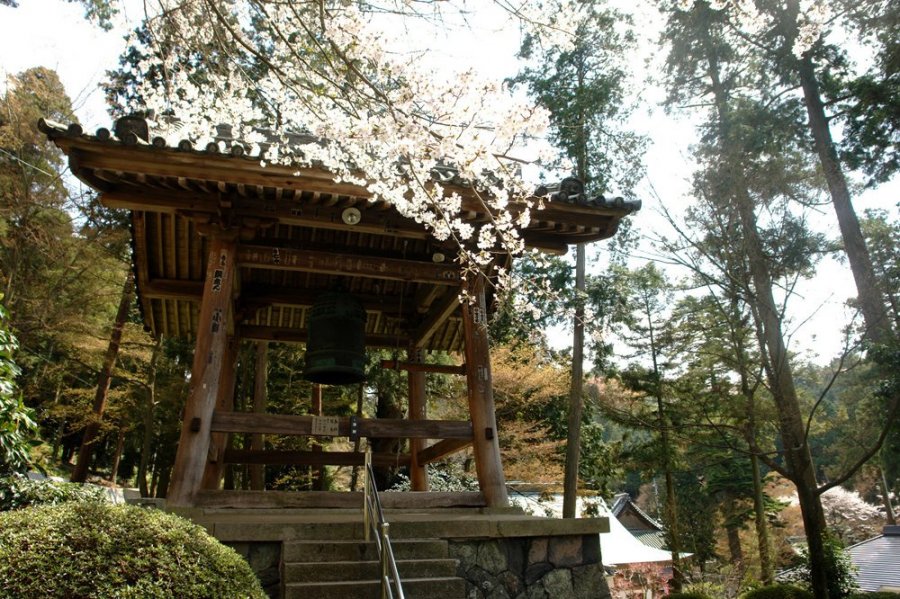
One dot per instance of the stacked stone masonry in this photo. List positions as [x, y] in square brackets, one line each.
[562, 567]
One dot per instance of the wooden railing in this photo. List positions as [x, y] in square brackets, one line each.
[373, 518]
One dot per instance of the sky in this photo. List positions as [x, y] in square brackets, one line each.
[54, 34]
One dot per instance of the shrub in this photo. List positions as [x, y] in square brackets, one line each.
[840, 571]
[17, 425]
[18, 491]
[778, 591]
[689, 595]
[102, 550]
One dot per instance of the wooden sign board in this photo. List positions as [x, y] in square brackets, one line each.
[325, 426]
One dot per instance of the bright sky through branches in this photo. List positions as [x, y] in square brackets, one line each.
[54, 34]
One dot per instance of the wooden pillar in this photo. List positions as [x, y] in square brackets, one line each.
[418, 476]
[316, 410]
[481, 395]
[218, 442]
[210, 363]
[258, 471]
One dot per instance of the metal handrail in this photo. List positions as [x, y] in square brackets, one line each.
[373, 520]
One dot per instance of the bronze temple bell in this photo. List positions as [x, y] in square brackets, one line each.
[335, 346]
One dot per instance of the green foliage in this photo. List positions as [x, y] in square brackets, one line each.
[689, 595]
[17, 425]
[839, 569]
[710, 590]
[584, 88]
[101, 550]
[441, 478]
[778, 591]
[17, 492]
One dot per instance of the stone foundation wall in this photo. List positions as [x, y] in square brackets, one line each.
[264, 559]
[560, 567]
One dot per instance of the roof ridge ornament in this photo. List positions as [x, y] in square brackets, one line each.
[571, 190]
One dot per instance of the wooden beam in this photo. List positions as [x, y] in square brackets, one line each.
[139, 235]
[288, 212]
[260, 398]
[318, 459]
[419, 367]
[335, 500]
[208, 369]
[374, 428]
[439, 313]
[481, 396]
[425, 296]
[418, 476]
[442, 449]
[172, 289]
[260, 294]
[219, 442]
[287, 335]
[315, 409]
[273, 258]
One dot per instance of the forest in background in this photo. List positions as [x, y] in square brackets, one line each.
[691, 396]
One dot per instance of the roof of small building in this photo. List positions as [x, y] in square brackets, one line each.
[650, 538]
[297, 241]
[618, 547]
[878, 561]
[623, 501]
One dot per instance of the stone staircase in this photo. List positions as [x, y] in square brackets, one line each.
[349, 569]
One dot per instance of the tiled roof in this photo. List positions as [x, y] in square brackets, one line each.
[623, 500]
[651, 538]
[878, 560]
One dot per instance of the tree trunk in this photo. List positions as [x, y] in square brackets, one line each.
[798, 459]
[671, 500]
[734, 546]
[149, 414]
[104, 378]
[870, 296]
[886, 498]
[576, 399]
[117, 457]
[791, 426]
[766, 572]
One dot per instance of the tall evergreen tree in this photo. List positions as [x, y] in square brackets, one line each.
[705, 62]
[584, 87]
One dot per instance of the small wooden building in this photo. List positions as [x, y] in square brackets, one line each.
[227, 250]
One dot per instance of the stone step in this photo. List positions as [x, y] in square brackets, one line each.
[413, 588]
[273, 529]
[299, 572]
[342, 551]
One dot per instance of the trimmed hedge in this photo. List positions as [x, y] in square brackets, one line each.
[778, 591]
[689, 595]
[18, 491]
[80, 550]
